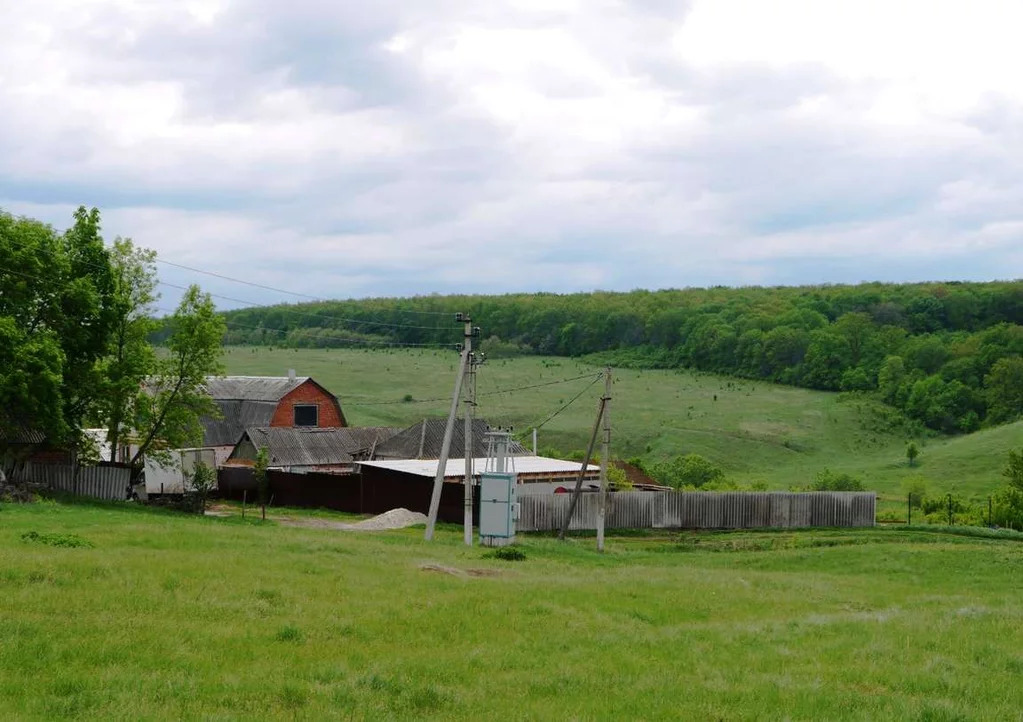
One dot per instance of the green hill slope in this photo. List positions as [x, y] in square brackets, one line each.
[758, 432]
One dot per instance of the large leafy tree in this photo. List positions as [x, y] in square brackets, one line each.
[1004, 387]
[130, 357]
[167, 415]
[55, 293]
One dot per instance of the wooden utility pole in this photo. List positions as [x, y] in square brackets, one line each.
[605, 459]
[438, 481]
[582, 471]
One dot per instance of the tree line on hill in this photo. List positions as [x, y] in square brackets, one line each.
[948, 354]
[75, 350]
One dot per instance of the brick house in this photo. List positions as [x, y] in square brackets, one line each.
[266, 401]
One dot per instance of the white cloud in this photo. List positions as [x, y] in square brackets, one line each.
[388, 148]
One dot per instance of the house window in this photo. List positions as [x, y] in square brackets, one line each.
[307, 415]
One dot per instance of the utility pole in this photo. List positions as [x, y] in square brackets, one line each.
[582, 470]
[438, 481]
[470, 406]
[605, 459]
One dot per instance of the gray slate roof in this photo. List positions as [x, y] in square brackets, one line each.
[424, 441]
[252, 388]
[315, 446]
[237, 416]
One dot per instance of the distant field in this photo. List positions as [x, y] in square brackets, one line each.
[758, 432]
[173, 617]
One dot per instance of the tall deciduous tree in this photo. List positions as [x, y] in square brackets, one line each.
[1004, 386]
[55, 294]
[130, 358]
[167, 417]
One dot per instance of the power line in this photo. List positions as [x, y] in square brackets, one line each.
[565, 406]
[278, 290]
[343, 319]
[348, 399]
[293, 312]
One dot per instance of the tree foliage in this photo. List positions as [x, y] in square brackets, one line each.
[130, 358]
[690, 471]
[167, 415]
[55, 315]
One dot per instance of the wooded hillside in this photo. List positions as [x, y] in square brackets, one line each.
[949, 354]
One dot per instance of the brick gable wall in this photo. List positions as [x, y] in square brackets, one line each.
[309, 393]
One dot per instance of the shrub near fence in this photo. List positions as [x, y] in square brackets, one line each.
[701, 510]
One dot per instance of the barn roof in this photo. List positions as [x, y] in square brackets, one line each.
[424, 441]
[252, 388]
[309, 446]
[238, 415]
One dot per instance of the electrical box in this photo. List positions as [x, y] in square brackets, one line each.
[498, 508]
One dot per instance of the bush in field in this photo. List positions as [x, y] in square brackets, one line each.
[690, 471]
[204, 479]
[916, 489]
[828, 480]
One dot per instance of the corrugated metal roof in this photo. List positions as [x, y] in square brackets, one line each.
[424, 441]
[237, 416]
[17, 433]
[455, 468]
[252, 388]
[314, 446]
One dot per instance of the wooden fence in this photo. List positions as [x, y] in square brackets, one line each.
[100, 482]
[701, 510]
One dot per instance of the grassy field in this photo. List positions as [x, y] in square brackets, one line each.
[777, 435]
[164, 616]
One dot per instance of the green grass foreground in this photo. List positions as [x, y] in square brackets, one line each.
[113, 612]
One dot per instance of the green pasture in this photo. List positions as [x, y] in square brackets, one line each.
[780, 436]
[164, 616]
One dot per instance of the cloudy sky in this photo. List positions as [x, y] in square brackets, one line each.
[354, 148]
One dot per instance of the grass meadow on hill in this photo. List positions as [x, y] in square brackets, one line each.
[780, 436]
[154, 615]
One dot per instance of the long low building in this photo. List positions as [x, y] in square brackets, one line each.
[536, 474]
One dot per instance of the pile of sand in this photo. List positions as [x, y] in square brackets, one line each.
[393, 519]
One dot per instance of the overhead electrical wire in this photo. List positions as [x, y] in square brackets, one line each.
[278, 290]
[349, 399]
[277, 307]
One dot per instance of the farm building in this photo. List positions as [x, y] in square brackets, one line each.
[302, 450]
[424, 441]
[536, 474]
[261, 401]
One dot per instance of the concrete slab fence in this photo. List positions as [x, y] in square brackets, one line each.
[701, 510]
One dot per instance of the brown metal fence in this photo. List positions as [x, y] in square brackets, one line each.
[372, 492]
[99, 482]
[701, 510]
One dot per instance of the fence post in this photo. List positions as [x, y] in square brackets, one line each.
[989, 515]
[949, 509]
[909, 509]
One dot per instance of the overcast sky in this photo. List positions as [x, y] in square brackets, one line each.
[393, 147]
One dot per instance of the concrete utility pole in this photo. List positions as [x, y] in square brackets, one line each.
[470, 406]
[582, 470]
[438, 481]
[605, 459]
